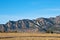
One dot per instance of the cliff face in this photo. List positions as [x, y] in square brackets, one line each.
[37, 25]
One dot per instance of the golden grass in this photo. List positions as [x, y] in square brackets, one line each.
[29, 36]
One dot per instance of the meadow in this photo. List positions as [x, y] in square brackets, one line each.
[29, 36]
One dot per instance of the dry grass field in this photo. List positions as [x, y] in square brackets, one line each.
[29, 36]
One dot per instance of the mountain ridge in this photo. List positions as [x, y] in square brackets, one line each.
[51, 24]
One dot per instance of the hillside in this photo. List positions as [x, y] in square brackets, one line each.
[51, 24]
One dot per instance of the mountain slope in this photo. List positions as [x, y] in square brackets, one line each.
[37, 25]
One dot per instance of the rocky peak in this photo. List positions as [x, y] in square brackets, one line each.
[36, 25]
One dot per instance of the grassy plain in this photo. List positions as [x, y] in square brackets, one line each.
[29, 36]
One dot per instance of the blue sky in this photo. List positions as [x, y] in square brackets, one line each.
[28, 9]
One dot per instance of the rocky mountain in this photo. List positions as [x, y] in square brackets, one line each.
[51, 25]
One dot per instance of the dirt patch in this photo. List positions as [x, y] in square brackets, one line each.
[5, 37]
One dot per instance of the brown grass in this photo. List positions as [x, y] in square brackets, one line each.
[29, 36]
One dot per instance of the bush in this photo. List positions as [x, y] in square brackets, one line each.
[49, 31]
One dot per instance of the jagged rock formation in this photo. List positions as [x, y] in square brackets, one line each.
[37, 25]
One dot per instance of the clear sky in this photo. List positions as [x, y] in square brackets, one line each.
[28, 9]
